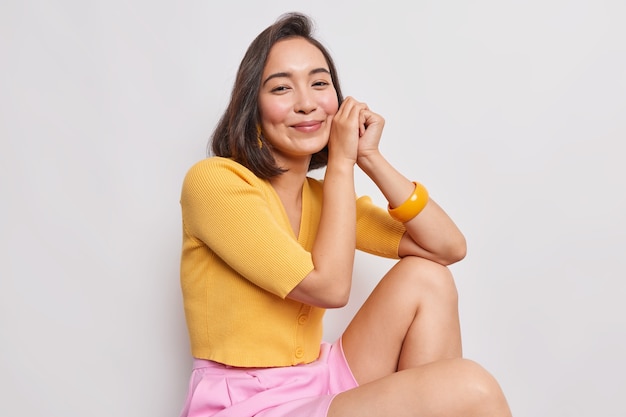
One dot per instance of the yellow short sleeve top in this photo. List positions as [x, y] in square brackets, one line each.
[240, 259]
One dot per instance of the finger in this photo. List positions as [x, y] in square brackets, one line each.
[365, 119]
[347, 109]
[362, 123]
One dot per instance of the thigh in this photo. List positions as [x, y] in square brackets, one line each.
[373, 340]
[453, 387]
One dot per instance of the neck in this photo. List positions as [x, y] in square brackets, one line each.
[289, 185]
[290, 182]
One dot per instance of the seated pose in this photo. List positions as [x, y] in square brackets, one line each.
[267, 249]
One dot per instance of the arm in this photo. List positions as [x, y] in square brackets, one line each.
[432, 234]
[232, 218]
[328, 285]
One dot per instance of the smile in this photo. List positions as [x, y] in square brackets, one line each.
[310, 126]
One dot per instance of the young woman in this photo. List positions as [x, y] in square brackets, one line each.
[266, 249]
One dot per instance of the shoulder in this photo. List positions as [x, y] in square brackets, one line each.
[215, 165]
[221, 170]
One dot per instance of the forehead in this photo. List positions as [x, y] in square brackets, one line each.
[293, 53]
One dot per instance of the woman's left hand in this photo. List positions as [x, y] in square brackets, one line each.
[370, 131]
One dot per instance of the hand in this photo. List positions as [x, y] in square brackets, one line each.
[349, 125]
[371, 131]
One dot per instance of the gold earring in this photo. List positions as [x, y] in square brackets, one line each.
[258, 136]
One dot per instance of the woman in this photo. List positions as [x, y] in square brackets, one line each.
[266, 249]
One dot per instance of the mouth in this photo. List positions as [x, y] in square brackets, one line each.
[308, 126]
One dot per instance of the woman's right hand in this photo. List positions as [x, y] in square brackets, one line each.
[328, 284]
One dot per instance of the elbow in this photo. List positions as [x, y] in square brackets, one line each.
[335, 296]
[455, 252]
[328, 300]
[324, 293]
[455, 257]
[338, 300]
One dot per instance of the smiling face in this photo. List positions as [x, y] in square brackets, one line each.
[297, 100]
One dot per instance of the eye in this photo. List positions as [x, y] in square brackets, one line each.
[321, 83]
[279, 89]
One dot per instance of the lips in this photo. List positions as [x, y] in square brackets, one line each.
[308, 126]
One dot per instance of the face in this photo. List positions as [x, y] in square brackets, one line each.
[297, 101]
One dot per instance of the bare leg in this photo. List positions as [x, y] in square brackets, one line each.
[404, 348]
[411, 318]
[446, 388]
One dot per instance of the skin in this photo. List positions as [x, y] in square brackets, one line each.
[404, 344]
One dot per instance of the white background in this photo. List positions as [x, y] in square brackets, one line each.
[513, 113]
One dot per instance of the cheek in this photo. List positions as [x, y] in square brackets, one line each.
[273, 111]
[330, 105]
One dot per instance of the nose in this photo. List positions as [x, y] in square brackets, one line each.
[305, 102]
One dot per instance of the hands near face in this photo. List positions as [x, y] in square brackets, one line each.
[355, 131]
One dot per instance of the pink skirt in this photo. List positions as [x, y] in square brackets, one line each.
[218, 390]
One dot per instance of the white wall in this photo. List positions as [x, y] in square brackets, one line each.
[511, 112]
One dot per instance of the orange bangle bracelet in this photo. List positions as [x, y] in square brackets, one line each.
[412, 206]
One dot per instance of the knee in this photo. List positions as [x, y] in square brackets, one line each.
[430, 278]
[482, 390]
[455, 387]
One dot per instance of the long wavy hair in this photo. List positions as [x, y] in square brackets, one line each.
[235, 135]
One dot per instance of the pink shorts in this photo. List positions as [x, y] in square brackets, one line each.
[302, 390]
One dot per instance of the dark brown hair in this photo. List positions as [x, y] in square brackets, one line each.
[235, 135]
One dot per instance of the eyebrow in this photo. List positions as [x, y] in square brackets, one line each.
[288, 74]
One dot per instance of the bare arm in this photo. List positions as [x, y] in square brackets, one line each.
[432, 234]
[328, 285]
